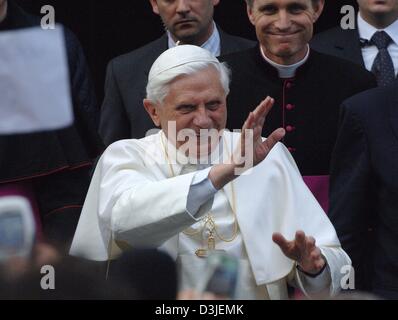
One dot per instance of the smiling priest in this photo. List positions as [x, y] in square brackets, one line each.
[194, 188]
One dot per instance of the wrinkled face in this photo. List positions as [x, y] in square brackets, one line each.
[195, 102]
[284, 27]
[378, 7]
[189, 21]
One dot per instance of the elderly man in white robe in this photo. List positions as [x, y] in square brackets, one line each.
[194, 187]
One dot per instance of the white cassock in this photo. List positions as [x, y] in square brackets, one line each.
[134, 199]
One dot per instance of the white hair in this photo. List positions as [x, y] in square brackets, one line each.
[158, 86]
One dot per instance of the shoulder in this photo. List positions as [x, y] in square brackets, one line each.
[342, 69]
[133, 150]
[130, 144]
[241, 60]
[244, 54]
[333, 62]
[231, 43]
[326, 38]
[371, 103]
[371, 111]
[140, 58]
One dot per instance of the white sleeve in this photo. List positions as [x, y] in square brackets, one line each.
[318, 283]
[329, 281]
[141, 209]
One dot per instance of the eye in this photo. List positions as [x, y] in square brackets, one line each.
[268, 9]
[213, 105]
[296, 8]
[185, 108]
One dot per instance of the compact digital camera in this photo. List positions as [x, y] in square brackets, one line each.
[221, 275]
[17, 227]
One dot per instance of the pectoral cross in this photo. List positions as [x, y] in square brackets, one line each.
[211, 247]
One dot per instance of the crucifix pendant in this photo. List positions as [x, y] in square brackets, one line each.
[211, 247]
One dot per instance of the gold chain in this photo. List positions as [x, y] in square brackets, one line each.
[194, 233]
[208, 219]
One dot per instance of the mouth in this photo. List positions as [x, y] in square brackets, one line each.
[187, 21]
[284, 34]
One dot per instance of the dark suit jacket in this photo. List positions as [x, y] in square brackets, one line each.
[364, 188]
[123, 115]
[341, 43]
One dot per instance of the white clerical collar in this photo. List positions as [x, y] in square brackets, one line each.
[366, 30]
[213, 44]
[178, 159]
[286, 71]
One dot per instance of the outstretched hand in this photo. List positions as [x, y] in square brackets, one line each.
[255, 150]
[255, 123]
[303, 250]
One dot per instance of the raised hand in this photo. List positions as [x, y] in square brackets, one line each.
[255, 123]
[255, 149]
[303, 250]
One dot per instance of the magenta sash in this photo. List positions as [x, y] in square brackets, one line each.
[319, 186]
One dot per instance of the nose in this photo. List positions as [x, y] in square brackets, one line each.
[202, 119]
[283, 21]
[183, 6]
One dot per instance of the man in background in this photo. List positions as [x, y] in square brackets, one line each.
[308, 87]
[364, 189]
[373, 44]
[186, 22]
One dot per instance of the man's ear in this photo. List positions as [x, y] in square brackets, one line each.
[318, 8]
[154, 5]
[153, 111]
[216, 2]
[250, 14]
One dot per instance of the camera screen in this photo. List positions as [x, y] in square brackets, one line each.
[11, 232]
[224, 278]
